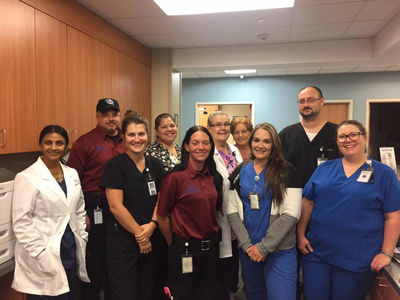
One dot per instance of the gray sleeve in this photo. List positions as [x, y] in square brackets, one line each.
[276, 232]
[240, 231]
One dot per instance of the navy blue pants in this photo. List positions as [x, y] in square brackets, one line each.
[273, 279]
[322, 280]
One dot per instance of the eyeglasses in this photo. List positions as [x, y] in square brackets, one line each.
[219, 125]
[353, 136]
[309, 100]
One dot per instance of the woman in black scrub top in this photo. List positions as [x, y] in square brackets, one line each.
[132, 181]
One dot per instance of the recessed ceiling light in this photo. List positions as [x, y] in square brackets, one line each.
[186, 7]
[262, 20]
[238, 72]
[263, 36]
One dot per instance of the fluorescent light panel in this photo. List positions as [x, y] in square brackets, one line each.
[239, 72]
[190, 7]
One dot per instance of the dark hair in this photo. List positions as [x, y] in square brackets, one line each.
[160, 117]
[315, 88]
[277, 172]
[55, 129]
[132, 116]
[241, 120]
[209, 163]
[352, 122]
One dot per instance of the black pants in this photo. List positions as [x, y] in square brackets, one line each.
[96, 255]
[201, 283]
[131, 274]
[228, 273]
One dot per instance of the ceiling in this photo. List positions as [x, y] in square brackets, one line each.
[368, 30]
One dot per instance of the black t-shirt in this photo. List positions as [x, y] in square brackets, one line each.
[303, 153]
[121, 173]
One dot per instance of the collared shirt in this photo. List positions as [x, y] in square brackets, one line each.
[89, 155]
[190, 197]
[167, 159]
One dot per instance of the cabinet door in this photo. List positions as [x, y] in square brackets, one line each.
[17, 77]
[52, 80]
[81, 105]
[102, 72]
[142, 89]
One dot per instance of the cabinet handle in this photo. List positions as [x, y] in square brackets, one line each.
[379, 277]
[384, 285]
[3, 232]
[4, 137]
[3, 251]
[75, 134]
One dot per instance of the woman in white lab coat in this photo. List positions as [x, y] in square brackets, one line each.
[49, 223]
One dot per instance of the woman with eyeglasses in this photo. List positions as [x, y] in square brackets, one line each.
[227, 157]
[241, 129]
[350, 220]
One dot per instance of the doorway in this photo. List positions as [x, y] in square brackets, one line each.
[383, 123]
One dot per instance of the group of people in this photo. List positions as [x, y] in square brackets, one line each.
[130, 217]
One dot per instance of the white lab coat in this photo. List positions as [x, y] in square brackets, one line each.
[225, 246]
[40, 214]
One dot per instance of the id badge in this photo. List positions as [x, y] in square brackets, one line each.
[254, 200]
[152, 188]
[365, 176]
[321, 160]
[98, 215]
[187, 263]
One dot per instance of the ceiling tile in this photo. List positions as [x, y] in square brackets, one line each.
[277, 35]
[186, 75]
[125, 8]
[323, 14]
[212, 74]
[379, 10]
[273, 18]
[370, 69]
[166, 41]
[142, 26]
[335, 70]
[298, 71]
[316, 2]
[366, 28]
[272, 72]
[217, 38]
[196, 23]
[315, 32]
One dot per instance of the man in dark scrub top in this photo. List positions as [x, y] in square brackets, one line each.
[310, 142]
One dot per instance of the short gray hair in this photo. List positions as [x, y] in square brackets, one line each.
[216, 113]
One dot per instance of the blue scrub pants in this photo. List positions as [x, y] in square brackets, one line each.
[273, 279]
[322, 280]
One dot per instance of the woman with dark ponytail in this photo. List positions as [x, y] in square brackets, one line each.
[192, 195]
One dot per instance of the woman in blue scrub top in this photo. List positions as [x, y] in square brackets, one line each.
[350, 220]
[264, 207]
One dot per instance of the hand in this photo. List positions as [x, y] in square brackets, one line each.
[145, 248]
[87, 220]
[254, 254]
[304, 245]
[379, 261]
[146, 233]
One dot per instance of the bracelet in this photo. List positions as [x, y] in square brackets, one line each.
[156, 223]
[387, 254]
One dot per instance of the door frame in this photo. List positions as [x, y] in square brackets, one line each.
[348, 101]
[368, 109]
[252, 104]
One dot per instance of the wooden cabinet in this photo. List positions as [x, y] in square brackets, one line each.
[17, 77]
[382, 289]
[81, 105]
[54, 68]
[52, 79]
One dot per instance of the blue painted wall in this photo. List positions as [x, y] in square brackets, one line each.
[275, 97]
